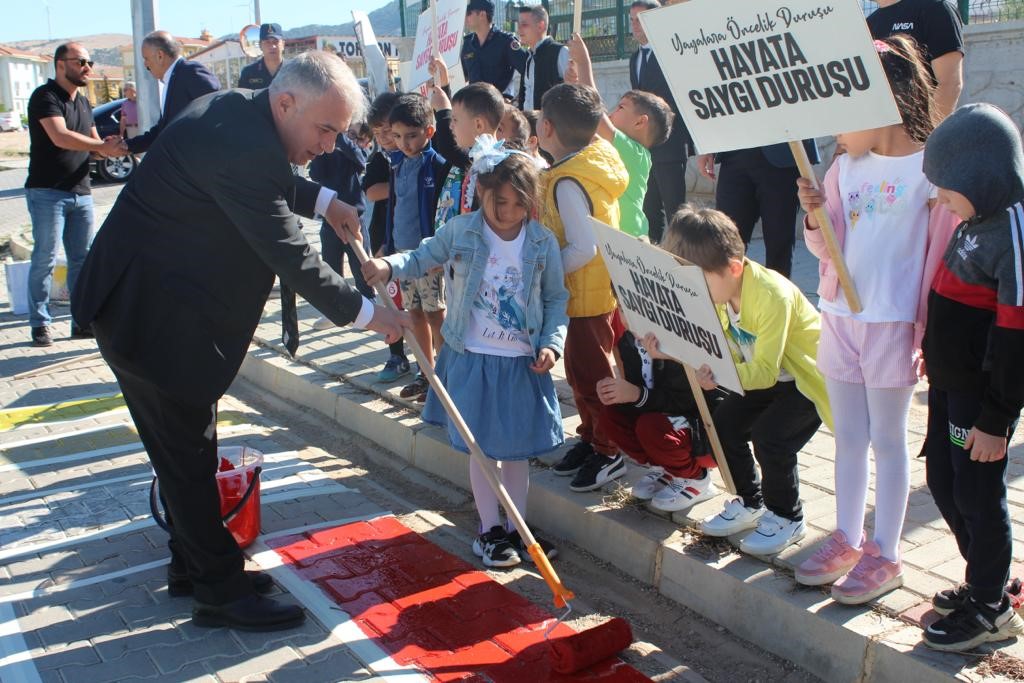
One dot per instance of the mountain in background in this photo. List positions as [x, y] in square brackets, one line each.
[386, 21]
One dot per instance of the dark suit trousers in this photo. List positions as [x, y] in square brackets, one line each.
[181, 442]
[749, 188]
[666, 192]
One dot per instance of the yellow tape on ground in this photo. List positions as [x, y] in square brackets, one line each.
[55, 412]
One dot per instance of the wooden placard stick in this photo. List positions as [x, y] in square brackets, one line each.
[825, 225]
[709, 429]
[577, 17]
[56, 366]
[434, 51]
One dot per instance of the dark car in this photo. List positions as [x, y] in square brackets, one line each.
[108, 122]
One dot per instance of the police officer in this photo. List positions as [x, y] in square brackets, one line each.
[260, 73]
[490, 54]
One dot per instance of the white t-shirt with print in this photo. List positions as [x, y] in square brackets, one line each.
[497, 321]
[885, 206]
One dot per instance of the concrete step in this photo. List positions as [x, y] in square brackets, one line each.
[757, 600]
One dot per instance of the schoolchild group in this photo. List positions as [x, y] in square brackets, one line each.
[480, 212]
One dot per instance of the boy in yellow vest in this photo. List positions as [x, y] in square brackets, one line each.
[586, 179]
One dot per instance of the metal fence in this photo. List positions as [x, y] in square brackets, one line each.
[606, 22]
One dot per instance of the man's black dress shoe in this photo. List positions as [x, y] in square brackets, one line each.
[180, 586]
[251, 613]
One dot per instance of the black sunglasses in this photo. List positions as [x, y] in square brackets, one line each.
[81, 62]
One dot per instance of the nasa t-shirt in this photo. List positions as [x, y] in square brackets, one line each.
[934, 24]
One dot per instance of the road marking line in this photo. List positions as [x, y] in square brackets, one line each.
[131, 526]
[32, 441]
[335, 620]
[16, 665]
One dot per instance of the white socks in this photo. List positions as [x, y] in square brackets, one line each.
[514, 475]
[877, 417]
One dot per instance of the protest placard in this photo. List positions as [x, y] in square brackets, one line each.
[746, 74]
[449, 17]
[658, 293]
[373, 56]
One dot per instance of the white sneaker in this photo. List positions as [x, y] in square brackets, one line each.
[772, 535]
[734, 518]
[652, 482]
[681, 494]
[323, 323]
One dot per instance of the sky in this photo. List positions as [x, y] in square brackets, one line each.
[27, 19]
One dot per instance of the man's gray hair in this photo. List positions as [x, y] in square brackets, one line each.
[163, 41]
[311, 74]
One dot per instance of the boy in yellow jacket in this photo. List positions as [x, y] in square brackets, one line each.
[773, 333]
[586, 179]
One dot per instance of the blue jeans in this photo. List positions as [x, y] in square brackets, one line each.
[54, 211]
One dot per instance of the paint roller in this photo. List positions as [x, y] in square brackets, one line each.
[568, 654]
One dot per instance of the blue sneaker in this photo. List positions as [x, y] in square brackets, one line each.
[397, 366]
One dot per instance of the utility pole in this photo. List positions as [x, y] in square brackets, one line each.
[256, 12]
[144, 20]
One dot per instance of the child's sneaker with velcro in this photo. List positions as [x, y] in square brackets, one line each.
[733, 519]
[682, 494]
[972, 624]
[945, 601]
[495, 549]
[833, 559]
[873, 576]
[772, 535]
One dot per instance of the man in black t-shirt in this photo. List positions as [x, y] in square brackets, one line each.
[61, 135]
[938, 30]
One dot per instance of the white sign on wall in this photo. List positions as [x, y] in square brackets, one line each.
[449, 18]
[658, 294]
[746, 74]
[349, 47]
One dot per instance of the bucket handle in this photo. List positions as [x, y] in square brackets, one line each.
[161, 519]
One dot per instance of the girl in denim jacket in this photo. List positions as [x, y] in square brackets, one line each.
[504, 331]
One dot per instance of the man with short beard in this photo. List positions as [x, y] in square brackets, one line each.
[62, 134]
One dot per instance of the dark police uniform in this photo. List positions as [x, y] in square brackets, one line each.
[255, 76]
[494, 61]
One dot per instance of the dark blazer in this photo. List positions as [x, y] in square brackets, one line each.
[679, 144]
[779, 155]
[189, 80]
[178, 274]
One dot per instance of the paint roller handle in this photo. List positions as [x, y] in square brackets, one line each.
[562, 594]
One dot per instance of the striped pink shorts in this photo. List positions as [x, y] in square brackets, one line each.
[877, 355]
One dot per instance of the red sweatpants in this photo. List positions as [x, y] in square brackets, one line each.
[650, 439]
[588, 359]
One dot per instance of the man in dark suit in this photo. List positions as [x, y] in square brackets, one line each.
[666, 184]
[757, 183]
[176, 281]
[183, 82]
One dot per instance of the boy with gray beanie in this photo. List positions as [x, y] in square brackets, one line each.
[972, 352]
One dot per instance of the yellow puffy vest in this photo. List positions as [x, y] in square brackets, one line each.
[600, 173]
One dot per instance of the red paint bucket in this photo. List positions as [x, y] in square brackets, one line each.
[238, 482]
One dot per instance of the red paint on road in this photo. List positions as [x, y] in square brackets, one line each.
[430, 609]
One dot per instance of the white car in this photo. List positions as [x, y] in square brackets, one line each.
[10, 120]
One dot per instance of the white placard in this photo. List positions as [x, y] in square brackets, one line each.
[746, 74]
[658, 294]
[451, 20]
[373, 57]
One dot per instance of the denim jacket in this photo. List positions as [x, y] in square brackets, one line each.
[459, 245]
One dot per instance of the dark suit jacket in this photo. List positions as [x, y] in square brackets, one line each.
[189, 80]
[652, 80]
[778, 155]
[178, 274]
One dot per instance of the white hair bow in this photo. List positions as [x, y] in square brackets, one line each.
[487, 152]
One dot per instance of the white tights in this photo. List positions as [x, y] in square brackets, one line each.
[875, 417]
[514, 476]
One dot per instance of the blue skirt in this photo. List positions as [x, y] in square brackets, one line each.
[512, 411]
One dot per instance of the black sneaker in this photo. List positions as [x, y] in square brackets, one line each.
[418, 387]
[573, 459]
[950, 599]
[41, 336]
[972, 624]
[597, 471]
[81, 332]
[517, 542]
[495, 548]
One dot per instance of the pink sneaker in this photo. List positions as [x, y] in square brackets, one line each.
[834, 558]
[873, 576]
